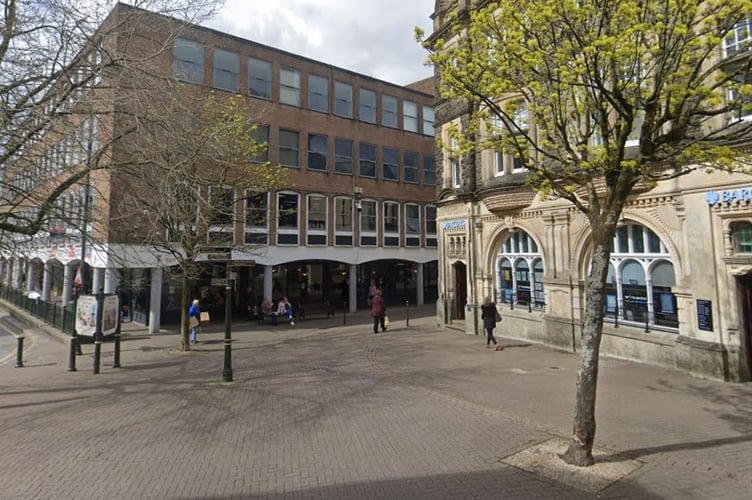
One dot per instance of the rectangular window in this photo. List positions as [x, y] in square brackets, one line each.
[429, 120]
[391, 223]
[343, 156]
[318, 93]
[499, 162]
[226, 70]
[317, 152]
[412, 219]
[368, 216]
[410, 159]
[289, 86]
[256, 218]
[287, 219]
[739, 38]
[222, 203]
[429, 170]
[259, 78]
[430, 219]
[454, 158]
[260, 134]
[343, 95]
[188, 61]
[389, 111]
[289, 148]
[317, 213]
[367, 106]
[390, 165]
[367, 153]
[343, 221]
[743, 103]
[409, 116]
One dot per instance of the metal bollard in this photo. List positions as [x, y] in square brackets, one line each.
[19, 352]
[72, 355]
[407, 313]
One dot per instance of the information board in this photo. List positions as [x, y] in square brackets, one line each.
[705, 315]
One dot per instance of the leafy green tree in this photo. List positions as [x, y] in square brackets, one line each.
[619, 94]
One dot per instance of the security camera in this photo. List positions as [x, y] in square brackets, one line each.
[359, 206]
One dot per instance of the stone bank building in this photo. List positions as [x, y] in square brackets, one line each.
[680, 277]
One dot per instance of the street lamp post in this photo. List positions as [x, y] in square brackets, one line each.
[227, 370]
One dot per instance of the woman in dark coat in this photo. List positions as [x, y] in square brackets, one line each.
[378, 311]
[488, 315]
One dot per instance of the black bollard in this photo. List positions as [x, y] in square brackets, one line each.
[407, 313]
[72, 355]
[616, 317]
[19, 352]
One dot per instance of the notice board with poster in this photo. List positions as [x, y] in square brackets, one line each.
[705, 315]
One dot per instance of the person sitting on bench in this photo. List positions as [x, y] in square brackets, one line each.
[284, 308]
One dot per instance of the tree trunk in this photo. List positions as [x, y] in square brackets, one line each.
[580, 451]
[185, 303]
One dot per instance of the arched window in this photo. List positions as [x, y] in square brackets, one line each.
[519, 272]
[640, 279]
[742, 234]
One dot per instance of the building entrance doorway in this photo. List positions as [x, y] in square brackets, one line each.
[460, 290]
[745, 328]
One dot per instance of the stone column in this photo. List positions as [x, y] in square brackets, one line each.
[29, 277]
[353, 288]
[268, 282]
[419, 284]
[97, 281]
[68, 272]
[155, 300]
[47, 281]
[111, 280]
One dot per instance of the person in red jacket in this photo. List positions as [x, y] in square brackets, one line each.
[378, 311]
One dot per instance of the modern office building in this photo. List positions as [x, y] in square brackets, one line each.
[680, 279]
[360, 156]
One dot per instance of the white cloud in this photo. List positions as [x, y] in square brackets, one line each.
[373, 38]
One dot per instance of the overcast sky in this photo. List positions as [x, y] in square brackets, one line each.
[375, 38]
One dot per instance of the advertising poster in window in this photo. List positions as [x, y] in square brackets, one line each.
[611, 302]
[667, 303]
[110, 318]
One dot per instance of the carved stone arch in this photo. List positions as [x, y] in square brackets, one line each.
[583, 246]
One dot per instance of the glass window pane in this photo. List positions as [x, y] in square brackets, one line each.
[367, 160]
[259, 78]
[389, 111]
[368, 216]
[317, 152]
[429, 170]
[367, 106]
[638, 242]
[318, 93]
[317, 213]
[409, 116]
[412, 219]
[188, 61]
[390, 167]
[343, 214]
[289, 148]
[428, 120]
[256, 209]
[343, 163]
[287, 211]
[226, 70]
[411, 167]
[260, 134]
[391, 217]
[289, 86]
[343, 94]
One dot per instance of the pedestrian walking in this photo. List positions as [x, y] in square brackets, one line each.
[378, 311]
[490, 315]
[194, 319]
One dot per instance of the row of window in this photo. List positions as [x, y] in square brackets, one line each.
[639, 283]
[319, 217]
[372, 161]
[79, 144]
[321, 94]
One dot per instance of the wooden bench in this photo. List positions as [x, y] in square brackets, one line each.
[315, 309]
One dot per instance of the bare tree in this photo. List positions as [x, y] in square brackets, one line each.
[191, 157]
[61, 65]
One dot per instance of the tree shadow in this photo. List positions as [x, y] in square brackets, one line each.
[668, 448]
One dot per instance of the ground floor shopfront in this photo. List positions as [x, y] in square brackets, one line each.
[679, 289]
[151, 293]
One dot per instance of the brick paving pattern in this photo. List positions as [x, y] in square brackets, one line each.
[322, 410]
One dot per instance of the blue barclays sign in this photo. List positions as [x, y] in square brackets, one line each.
[453, 225]
[744, 194]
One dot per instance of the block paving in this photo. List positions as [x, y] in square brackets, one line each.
[326, 410]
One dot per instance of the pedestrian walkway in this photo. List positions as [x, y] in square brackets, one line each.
[326, 410]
